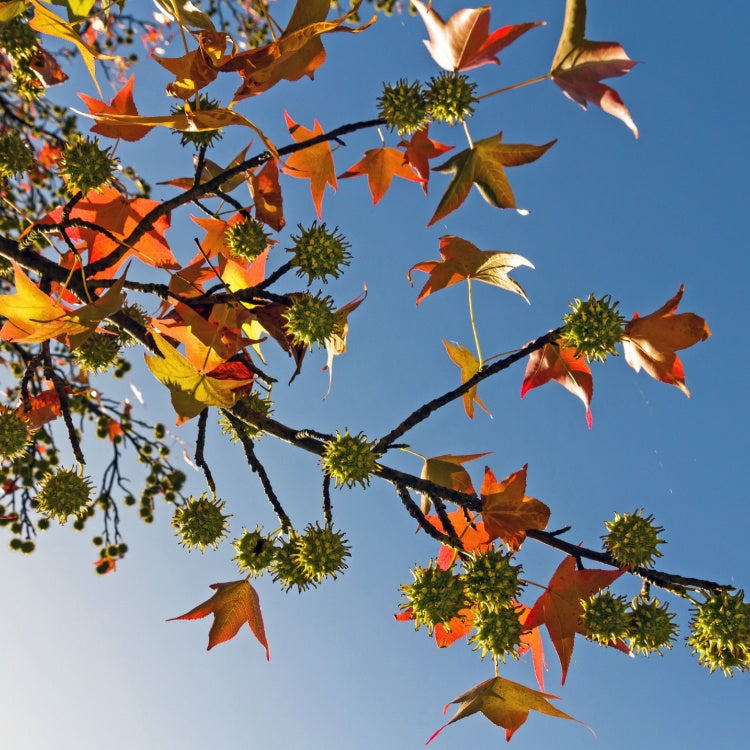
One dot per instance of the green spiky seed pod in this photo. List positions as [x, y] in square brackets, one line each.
[633, 539]
[246, 239]
[286, 568]
[435, 597]
[15, 155]
[720, 633]
[18, 39]
[200, 523]
[650, 627]
[491, 579]
[322, 552]
[319, 253]
[136, 313]
[85, 166]
[255, 551]
[593, 328]
[310, 320]
[15, 434]
[450, 97]
[98, 352]
[498, 633]
[246, 407]
[27, 547]
[403, 106]
[605, 618]
[198, 137]
[349, 459]
[63, 493]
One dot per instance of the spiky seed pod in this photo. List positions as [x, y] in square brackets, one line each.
[349, 459]
[435, 597]
[15, 434]
[403, 106]
[322, 552]
[18, 39]
[287, 569]
[98, 352]
[246, 239]
[720, 633]
[633, 539]
[247, 406]
[255, 551]
[85, 166]
[319, 253]
[63, 493]
[491, 579]
[498, 633]
[200, 522]
[650, 627]
[310, 320]
[136, 313]
[15, 155]
[450, 97]
[593, 327]
[605, 618]
[198, 137]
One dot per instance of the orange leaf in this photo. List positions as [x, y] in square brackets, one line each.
[314, 163]
[122, 104]
[266, 193]
[483, 166]
[463, 260]
[651, 342]
[419, 150]
[555, 362]
[447, 471]
[234, 604]
[464, 42]
[531, 640]
[380, 165]
[45, 407]
[504, 703]
[560, 608]
[469, 365]
[507, 512]
[580, 64]
[470, 532]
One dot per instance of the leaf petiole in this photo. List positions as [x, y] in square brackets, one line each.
[519, 85]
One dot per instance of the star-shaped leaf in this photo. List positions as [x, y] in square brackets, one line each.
[559, 363]
[484, 165]
[580, 64]
[469, 366]
[464, 41]
[418, 152]
[234, 604]
[122, 104]
[560, 608]
[463, 260]
[507, 512]
[381, 165]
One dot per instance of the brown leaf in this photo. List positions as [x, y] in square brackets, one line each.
[234, 604]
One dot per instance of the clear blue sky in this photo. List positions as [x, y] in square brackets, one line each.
[90, 662]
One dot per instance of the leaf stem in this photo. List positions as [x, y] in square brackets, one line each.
[515, 86]
[473, 324]
[468, 134]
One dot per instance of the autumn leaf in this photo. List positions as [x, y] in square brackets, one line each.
[336, 343]
[445, 635]
[483, 166]
[579, 66]
[314, 163]
[559, 363]
[448, 471]
[560, 608]
[122, 104]
[381, 165]
[504, 703]
[531, 640]
[234, 604]
[266, 193]
[464, 42]
[34, 316]
[191, 390]
[469, 366]
[45, 407]
[507, 512]
[210, 170]
[419, 150]
[469, 531]
[651, 342]
[462, 260]
[196, 68]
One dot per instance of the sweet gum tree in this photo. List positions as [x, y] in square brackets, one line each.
[93, 283]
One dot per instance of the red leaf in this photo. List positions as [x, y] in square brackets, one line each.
[419, 150]
[555, 362]
[122, 104]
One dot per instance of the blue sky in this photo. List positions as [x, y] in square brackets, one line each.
[90, 661]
